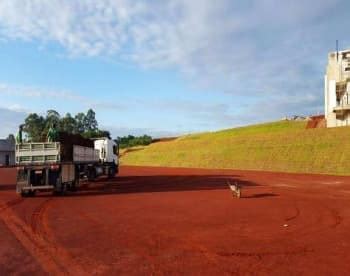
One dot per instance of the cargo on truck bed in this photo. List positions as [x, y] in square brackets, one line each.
[74, 139]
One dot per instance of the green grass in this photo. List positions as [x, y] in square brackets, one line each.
[279, 146]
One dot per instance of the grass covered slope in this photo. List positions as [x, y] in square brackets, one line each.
[279, 146]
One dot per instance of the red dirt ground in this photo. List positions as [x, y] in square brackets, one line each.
[180, 221]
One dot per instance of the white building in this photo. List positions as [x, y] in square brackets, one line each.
[337, 89]
[7, 152]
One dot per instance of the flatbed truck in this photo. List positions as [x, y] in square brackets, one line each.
[46, 167]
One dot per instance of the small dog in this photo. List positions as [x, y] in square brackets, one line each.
[236, 189]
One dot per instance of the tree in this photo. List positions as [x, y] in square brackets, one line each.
[52, 118]
[68, 124]
[132, 141]
[11, 138]
[37, 126]
[79, 123]
[90, 122]
[34, 126]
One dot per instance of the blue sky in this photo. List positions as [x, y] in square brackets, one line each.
[166, 67]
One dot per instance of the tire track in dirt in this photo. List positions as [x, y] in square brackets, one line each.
[48, 255]
[213, 256]
[11, 203]
[261, 255]
[327, 217]
[27, 239]
[296, 215]
[40, 227]
[336, 217]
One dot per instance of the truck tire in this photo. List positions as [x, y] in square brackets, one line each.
[24, 194]
[29, 193]
[111, 172]
[91, 174]
[73, 186]
[62, 191]
[60, 188]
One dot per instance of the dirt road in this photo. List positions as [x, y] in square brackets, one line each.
[180, 221]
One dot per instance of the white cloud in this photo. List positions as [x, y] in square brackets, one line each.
[38, 92]
[261, 48]
[18, 108]
[52, 94]
[177, 32]
[10, 120]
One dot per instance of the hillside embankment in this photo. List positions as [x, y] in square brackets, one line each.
[285, 146]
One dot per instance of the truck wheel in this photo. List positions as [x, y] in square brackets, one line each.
[24, 194]
[61, 191]
[111, 172]
[91, 175]
[29, 193]
[73, 186]
[60, 188]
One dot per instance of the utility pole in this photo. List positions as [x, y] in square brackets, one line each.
[337, 48]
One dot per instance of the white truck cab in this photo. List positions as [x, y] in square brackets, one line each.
[108, 150]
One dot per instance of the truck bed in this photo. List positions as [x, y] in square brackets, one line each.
[55, 152]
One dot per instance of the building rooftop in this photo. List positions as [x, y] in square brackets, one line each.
[6, 145]
[343, 53]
